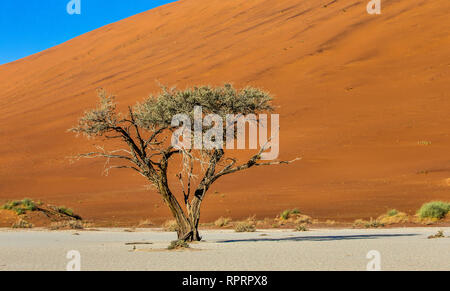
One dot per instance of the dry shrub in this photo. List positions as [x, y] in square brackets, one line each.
[222, 221]
[145, 223]
[244, 226]
[170, 225]
[367, 223]
[248, 225]
[68, 224]
[301, 227]
[22, 223]
[439, 234]
[426, 221]
[178, 244]
[293, 216]
[393, 218]
[303, 219]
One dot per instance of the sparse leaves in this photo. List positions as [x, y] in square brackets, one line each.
[98, 121]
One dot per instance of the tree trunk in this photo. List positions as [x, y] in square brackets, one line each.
[187, 226]
[188, 231]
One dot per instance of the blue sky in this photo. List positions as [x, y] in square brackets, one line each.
[31, 26]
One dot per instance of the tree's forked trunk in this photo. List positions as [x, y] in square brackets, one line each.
[187, 224]
[188, 232]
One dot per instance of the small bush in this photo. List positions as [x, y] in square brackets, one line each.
[439, 234]
[301, 227]
[67, 224]
[391, 218]
[221, 222]
[285, 214]
[20, 206]
[245, 226]
[178, 244]
[295, 211]
[21, 223]
[434, 209]
[170, 225]
[289, 213]
[64, 210]
[302, 219]
[367, 224]
[392, 212]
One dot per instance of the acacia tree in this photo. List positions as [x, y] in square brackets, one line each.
[146, 130]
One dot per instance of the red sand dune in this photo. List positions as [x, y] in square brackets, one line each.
[360, 97]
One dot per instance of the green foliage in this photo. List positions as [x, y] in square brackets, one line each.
[97, 121]
[295, 211]
[288, 213]
[20, 206]
[158, 111]
[392, 212]
[434, 209]
[64, 210]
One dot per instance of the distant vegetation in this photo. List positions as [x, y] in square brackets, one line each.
[57, 216]
[170, 225]
[248, 225]
[301, 227]
[64, 210]
[222, 221]
[288, 213]
[392, 212]
[67, 224]
[372, 223]
[20, 206]
[22, 223]
[434, 209]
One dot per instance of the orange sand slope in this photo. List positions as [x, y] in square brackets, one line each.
[361, 98]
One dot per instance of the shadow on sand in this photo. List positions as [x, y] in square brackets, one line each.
[319, 238]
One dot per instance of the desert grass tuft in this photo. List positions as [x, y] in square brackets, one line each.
[248, 225]
[301, 227]
[170, 225]
[367, 223]
[222, 221]
[393, 217]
